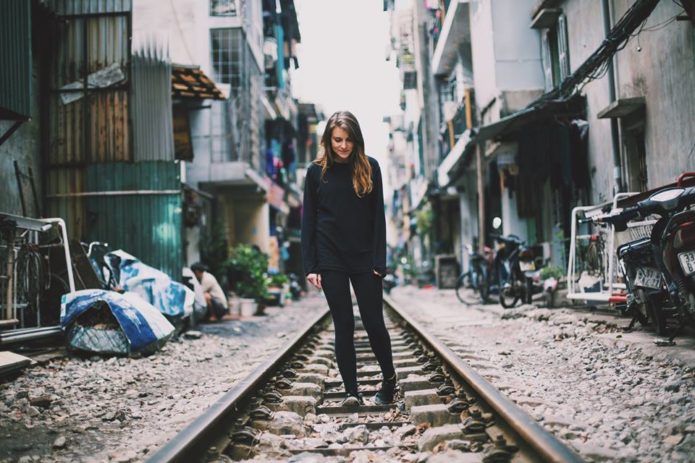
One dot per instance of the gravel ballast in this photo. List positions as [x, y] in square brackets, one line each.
[611, 395]
[121, 409]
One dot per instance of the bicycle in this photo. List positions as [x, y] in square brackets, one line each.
[477, 279]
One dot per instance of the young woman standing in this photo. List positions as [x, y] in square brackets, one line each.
[343, 242]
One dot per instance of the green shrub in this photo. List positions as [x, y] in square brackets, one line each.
[246, 271]
[278, 280]
[552, 271]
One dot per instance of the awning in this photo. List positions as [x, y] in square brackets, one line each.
[571, 106]
[188, 81]
[453, 160]
[505, 127]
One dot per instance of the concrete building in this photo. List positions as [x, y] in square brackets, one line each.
[541, 113]
[243, 167]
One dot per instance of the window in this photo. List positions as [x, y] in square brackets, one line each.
[634, 159]
[226, 55]
[223, 8]
[555, 53]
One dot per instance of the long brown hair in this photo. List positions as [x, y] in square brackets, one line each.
[361, 169]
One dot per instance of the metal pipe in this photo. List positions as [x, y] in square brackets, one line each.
[114, 193]
[547, 445]
[615, 136]
[481, 198]
[68, 257]
[24, 335]
[186, 445]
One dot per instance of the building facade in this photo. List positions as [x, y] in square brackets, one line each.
[544, 108]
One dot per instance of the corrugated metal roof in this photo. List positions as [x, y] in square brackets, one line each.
[96, 128]
[15, 59]
[88, 7]
[153, 128]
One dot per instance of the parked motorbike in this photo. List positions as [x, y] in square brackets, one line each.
[516, 269]
[663, 282]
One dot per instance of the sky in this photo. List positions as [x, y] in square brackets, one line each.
[342, 65]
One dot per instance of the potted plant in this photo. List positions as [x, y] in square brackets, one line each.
[278, 285]
[246, 272]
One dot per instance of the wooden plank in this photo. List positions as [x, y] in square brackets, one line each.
[9, 361]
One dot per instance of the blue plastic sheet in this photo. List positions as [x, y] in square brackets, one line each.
[172, 298]
[140, 326]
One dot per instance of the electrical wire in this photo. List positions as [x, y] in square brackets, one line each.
[596, 65]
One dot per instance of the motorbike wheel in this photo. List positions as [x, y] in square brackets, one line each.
[484, 286]
[508, 296]
[657, 316]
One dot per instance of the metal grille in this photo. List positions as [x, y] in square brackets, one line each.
[234, 64]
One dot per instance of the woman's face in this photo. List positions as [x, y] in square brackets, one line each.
[341, 143]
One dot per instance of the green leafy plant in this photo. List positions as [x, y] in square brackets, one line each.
[278, 279]
[552, 271]
[423, 220]
[213, 250]
[246, 271]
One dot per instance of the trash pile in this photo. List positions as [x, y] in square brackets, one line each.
[136, 316]
[110, 323]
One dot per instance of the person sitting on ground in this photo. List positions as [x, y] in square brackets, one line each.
[214, 295]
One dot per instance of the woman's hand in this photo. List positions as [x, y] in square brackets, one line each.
[314, 279]
[378, 274]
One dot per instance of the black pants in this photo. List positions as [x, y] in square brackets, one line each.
[368, 290]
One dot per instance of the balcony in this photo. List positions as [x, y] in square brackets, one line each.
[456, 30]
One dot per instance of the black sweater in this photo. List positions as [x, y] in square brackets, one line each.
[341, 231]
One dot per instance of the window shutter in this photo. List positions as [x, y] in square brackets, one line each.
[546, 61]
[563, 47]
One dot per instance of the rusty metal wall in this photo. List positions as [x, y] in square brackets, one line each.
[94, 128]
[151, 107]
[15, 59]
[133, 206]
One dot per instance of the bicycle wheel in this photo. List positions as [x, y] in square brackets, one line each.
[483, 285]
[463, 293]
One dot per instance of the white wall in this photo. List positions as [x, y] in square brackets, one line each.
[516, 46]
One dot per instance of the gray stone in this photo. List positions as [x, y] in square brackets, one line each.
[60, 443]
[298, 404]
[434, 436]
[454, 455]
[421, 397]
[414, 383]
[357, 434]
[286, 423]
[304, 389]
[435, 415]
[307, 457]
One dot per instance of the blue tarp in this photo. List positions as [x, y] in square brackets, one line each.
[172, 298]
[141, 327]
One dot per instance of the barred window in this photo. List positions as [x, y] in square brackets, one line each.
[226, 55]
[223, 8]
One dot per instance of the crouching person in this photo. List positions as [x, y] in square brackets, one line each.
[214, 295]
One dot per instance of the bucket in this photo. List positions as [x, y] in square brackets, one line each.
[247, 307]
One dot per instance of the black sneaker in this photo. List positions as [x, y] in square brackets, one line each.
[352, 400]
[387, 391]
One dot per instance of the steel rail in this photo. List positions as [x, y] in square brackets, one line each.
[540, 440]
[189, 444]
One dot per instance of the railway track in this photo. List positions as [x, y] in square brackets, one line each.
[290, 405]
